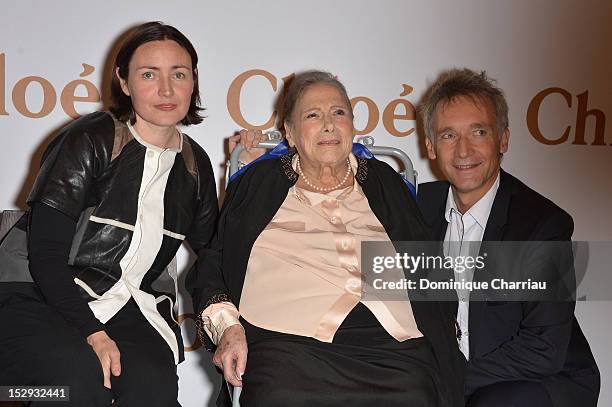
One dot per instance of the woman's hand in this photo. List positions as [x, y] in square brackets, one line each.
[248, 139]
[108, 353]
[231, 354]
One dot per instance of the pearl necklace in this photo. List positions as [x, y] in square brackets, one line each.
[323, 189]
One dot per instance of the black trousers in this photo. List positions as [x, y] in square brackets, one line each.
[38, 348]
[511, 394]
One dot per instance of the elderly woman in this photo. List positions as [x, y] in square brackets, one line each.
[283, 279]
[116, 196]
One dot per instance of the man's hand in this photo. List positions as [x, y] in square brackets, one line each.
[248, 139]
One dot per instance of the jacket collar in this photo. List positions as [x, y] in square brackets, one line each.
[497, 218]
[499, 211]
[436, 218]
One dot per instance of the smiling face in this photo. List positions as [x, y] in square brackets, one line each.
[321, 127]
[160, 83]
[467, 146]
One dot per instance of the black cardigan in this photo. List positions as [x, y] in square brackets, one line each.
[251, 202]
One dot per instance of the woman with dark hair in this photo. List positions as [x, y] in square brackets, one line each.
[283, 281]
[116, 195]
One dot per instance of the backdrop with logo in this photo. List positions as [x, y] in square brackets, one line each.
[552, 57]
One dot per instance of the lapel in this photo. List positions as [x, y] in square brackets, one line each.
[494, 231]
[439, 225]
[432, 202]
[499, 211]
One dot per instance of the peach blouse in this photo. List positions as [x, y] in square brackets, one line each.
[304, 272]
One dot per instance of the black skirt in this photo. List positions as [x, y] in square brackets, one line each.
[363, 366]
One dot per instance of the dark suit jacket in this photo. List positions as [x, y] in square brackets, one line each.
[534, 341]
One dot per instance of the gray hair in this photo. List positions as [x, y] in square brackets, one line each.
[463, 82]
[303, 81]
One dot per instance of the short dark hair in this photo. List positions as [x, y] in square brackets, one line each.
[463, 82]
[303, 81]
[121, 105]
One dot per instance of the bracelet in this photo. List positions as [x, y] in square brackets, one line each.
[202, 335]
[199, 322]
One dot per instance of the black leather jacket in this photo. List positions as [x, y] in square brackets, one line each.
[93, 168]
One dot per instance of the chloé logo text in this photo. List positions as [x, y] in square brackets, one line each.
[398, 114]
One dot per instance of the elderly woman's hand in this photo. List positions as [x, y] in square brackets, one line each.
[248, 139]
[231, 354]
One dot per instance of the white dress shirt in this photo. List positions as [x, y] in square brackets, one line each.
[463, 236]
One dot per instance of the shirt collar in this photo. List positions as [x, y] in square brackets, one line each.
[480, 210]
[154, 147]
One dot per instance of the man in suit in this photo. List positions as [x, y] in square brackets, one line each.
[519, 353]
